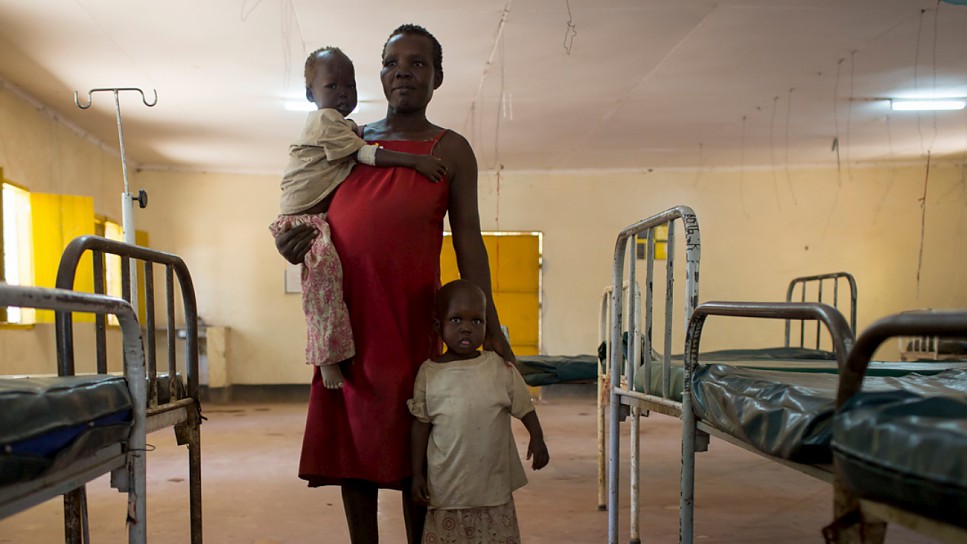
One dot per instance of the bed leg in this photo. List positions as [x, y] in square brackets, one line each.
[193, 431]
[850, 526]
[75, 517]
[686, 509]
[635, 490]
[602, 489]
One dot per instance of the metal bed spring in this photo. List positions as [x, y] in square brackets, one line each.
[803, 283]
[111, 458]
[869, 525]
[622, 377]
[695, 434]
[183, 414]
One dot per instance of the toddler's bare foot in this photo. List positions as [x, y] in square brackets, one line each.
[331, 376]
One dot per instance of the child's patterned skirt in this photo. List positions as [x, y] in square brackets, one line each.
[485, 525]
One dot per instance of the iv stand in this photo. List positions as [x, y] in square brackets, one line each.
[127, 199]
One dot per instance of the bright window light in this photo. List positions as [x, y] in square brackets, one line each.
[17, 262]
[945, 104]
[112, 266]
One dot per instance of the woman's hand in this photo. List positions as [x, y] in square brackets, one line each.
[495, 341]
[294, 243]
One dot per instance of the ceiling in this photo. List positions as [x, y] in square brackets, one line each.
[534, 84]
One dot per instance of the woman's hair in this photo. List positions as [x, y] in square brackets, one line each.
[310, 72]
[420, 31]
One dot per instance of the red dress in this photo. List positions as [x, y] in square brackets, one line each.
[387, 226]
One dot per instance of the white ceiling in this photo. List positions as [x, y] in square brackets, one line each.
[647, 83]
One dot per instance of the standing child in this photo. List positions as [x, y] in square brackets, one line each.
[465, 462]
[319, 161]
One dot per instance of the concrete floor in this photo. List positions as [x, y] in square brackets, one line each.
[252, 494]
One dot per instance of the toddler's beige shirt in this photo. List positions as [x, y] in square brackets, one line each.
[319, 160]
[472, 460]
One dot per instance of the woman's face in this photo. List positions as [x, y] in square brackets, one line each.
[408, 75]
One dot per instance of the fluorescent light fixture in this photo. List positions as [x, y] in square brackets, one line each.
[299, 105]
[940, 104]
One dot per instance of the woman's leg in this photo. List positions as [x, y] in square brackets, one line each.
[359, 499]
[414, 515]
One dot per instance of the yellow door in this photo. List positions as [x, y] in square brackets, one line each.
[515, 276]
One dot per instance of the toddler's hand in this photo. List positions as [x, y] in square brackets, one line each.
[432, 167]
[538, 450]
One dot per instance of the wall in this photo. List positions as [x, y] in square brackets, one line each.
[759, 229]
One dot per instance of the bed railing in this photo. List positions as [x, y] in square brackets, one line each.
[133, 459]
[801, 286]
[846, 506]
[182, 413]
[623, 374]
[841, 337]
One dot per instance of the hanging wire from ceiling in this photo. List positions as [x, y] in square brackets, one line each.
[795, 201]
[926, 175]
[889, 185]
[291, 30]
[476, 105]
[742, 169]
[772, 150]
[849, 114]
[570, 31]
[835, 147]
[243, 13]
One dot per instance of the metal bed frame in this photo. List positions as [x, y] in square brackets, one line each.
[870, 517]
[617, 381]
[695, 434]
[803, 283]
[126, 462]
[621, 375]
[184, 414]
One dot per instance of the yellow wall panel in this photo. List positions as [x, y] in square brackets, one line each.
[515, 276]
[55, 221]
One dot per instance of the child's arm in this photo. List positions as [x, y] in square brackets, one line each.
[419, 438]
[536, 448]
[430, 166]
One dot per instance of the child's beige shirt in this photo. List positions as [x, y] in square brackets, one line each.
[472, 459]
[319, 160]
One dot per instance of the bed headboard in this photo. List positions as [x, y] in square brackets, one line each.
[811, 289]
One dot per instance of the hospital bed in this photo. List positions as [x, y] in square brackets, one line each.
[666, 387]
[62, 431]
[901, 456]
[172, 396]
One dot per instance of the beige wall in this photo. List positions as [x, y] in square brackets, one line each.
[759, 229]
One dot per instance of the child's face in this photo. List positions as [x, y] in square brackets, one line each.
[465, 323]
[334, 83]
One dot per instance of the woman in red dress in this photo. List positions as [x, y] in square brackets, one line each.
[387, 226]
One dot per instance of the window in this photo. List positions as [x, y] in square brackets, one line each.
[17, 266]
[112, 263]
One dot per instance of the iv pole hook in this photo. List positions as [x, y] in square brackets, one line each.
[127, 199]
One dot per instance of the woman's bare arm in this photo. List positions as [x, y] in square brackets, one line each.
[467, 240]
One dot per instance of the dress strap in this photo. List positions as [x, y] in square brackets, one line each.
[437, 138]
[440, 135]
